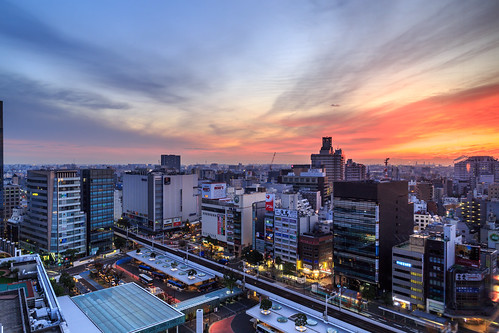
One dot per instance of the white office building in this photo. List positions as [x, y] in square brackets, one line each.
[156, 201]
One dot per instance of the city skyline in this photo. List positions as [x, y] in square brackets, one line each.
[228, 82]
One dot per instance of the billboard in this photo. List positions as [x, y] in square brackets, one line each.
[221, 224]
[177, 221]
[214, 191]
[269, 202]
[286, 213]
[468, 255]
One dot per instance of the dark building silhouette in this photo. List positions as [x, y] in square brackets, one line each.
[1, 168]
[369, 219]
[97, 196]
[171, 162]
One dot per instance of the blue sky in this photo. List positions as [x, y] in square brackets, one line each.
[234, 81]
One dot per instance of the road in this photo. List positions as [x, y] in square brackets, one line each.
[268, 285]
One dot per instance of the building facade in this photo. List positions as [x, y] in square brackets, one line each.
[158, 202]
[230, 220]
[98, 204]
[330, 160]
[369, 218]
[355, 171]
[55, 221]
[171, 162]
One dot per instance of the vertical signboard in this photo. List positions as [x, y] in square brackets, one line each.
[269, 202]
[221, 224]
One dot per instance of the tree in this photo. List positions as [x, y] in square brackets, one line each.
[265, 304]
[301, 319]
[117, 276]
[67, 281]
[138, 251]
[289, 268]
[70, 254]
[368, 292]
[174, 264]
[98, 266]
[191, 272]
[119, 242]
[278, 261]
[253, 257]
[58, 289]
[230, 280]
[153, 255]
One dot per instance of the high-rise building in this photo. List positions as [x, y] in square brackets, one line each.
[97, 191]
[55, 221]
[1, 161]
[332, 161]
[171, 162]
[157, 201]
[355, 171]
[368, 220]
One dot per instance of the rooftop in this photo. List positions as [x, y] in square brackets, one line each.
[128, 308]
[279, 318]
[163, 263]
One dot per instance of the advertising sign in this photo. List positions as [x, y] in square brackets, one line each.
[469, 277]
[221, 224]
[269, 202]
[177, 221]
[286, 213]
[468, 255]
[493, 239]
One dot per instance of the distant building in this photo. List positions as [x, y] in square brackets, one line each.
[98, 204]
[171, 162]
[470, 169]
[229, 220]
[494, 191]
[308, 180]
[157, 201]
[118, 204]
[355, 171]
[12, 199]
[332, 161]
[369, 218]
[55, 221]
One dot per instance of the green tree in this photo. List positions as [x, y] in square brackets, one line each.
[119, 242]
[153, 255]
[368, 292]
[230, 280]
[67, 281]
[301, 319]
[278, 261]
[265, 304]
[253, 257]
[289, 268]
[192, 272]
[70, 253]
[58, 289]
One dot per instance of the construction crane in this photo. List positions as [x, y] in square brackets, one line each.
[386, 167]
[272, 162]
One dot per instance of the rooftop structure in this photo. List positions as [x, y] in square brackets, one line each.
[128, 308]
[163, 263]
[280, 319]
[24, 308]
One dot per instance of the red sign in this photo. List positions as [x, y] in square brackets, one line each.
[269, 202]
[177, 224]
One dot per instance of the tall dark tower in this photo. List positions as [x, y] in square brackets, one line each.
[1, 168]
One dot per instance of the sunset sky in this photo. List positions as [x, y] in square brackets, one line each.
[235, 81]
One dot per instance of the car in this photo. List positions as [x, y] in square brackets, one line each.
[223, 261]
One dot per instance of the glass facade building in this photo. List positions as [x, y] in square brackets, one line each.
[356, 239]
[98, 204]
